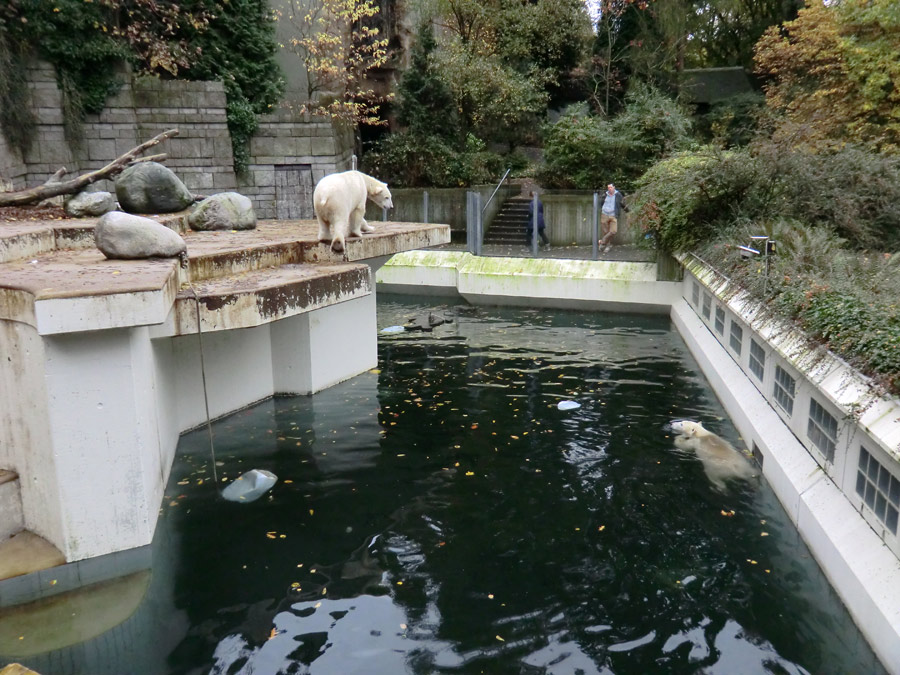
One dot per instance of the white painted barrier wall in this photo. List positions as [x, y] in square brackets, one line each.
[109, 406]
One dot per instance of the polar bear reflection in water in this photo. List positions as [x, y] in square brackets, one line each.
[721, 461]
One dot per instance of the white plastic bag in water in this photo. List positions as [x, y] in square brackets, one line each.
[250, 486]
[568, 405]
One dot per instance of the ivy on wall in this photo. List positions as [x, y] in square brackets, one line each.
[87, 41]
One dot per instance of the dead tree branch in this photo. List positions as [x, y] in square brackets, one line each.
[55, 186]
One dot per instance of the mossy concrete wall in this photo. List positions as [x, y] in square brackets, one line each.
[549, 282]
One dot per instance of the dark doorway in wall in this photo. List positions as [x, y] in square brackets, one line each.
[293, 192]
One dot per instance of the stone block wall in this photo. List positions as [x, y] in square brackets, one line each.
[289, 153]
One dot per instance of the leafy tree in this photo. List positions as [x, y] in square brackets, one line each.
[523, 52]
[337, 49]
[833, 72]
[616, 32]
[491, 98]
[650, 126]
[423, 95]
[725, 31]
[546, 40]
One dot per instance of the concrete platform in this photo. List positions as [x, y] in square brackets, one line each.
[106, 364]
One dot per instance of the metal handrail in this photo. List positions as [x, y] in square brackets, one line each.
[499, 185]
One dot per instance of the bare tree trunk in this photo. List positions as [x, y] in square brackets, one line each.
[55, 186]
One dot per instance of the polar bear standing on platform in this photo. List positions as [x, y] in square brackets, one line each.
[340, 204]
[721, 461]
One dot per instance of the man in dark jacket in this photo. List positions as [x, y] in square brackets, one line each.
[540, 221]
[613, 205]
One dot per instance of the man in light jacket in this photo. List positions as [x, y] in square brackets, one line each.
[613, 205]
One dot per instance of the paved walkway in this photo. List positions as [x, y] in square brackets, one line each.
[619, 253]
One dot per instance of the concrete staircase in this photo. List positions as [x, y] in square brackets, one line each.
[510, 225]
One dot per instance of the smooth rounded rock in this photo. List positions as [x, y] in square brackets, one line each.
[223, 211]
[128, 237]
[89, 204]
[150, 187]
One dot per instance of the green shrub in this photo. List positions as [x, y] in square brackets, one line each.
[411, 160]
[843, 299]
[683, 200]
[733, 122]
[588, 151]
[852, 190]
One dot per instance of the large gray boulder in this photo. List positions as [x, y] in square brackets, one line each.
[89, 204]
[149, 187]
[125, 236]
[223, 211]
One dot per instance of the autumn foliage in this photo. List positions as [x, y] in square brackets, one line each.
[834, 73]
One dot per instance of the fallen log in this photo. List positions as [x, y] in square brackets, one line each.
[55, 186]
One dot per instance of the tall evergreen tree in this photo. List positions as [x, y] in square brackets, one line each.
[423, 96]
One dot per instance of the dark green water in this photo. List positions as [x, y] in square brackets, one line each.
[441, 515]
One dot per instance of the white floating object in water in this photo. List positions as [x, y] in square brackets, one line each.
[250, 486]
[393, 329]
[568, 405]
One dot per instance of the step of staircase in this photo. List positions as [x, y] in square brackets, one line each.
[511, 224]
[11, 517]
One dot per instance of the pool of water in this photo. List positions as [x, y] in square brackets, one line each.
[441, 514]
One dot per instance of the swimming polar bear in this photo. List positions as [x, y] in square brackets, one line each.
[339, 201]
[721, 461]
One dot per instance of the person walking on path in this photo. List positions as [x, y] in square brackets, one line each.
[613, 205]
[540, 221]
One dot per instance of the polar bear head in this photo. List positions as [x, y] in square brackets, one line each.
[378, 192]
[689, 428]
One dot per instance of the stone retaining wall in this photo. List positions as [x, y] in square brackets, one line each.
[288, 151]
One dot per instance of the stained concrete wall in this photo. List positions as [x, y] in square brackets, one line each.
[201, 155]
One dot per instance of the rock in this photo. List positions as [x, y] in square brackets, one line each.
[89, 204]
[426, 323]
[250, 486]
[149, 187]
[224, 211]
[124, 236]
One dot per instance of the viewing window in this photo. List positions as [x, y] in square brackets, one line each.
[720, 321]
[707, 305]
[784, 390]
[822, 429]
[695, 294]
[757, 359]
[879, 489]
[736, 338]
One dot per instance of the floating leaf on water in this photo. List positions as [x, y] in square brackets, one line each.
[568, 405]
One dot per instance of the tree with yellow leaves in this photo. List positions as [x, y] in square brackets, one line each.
[338, 46]
[834, 73]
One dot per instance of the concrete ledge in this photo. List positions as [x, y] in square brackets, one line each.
[863, 571]
[259, 297]
[547, 282]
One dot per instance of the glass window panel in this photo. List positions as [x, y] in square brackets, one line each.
[695, 294]
[873, 471]
[884, 480]
[720, 321]
[863, 458]
[891, 519]
[870, 495]
[860, 483]
[880, 505]
[895, 491]
[707, 304]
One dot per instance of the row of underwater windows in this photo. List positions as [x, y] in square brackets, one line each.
[877, 488]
